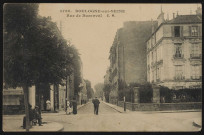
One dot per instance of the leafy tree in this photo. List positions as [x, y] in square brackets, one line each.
[35, 52]
[107, 90]
[18, 18]
[99, 89]
[76, 61]
[90, 92]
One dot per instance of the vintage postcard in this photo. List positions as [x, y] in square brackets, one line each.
[102, 67]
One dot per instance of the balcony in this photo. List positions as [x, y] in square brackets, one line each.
[178, 56]
[177, 78]
[196, 77]
[195, 56]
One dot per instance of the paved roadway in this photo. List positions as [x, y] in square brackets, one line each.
[111, 120]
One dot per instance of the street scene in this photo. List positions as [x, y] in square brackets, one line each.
[102, 67]
[114, 119]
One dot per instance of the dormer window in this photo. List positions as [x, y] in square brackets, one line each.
[177, 31]
[194, 31]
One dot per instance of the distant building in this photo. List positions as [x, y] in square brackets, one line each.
[174, 52]
[128, 54]
[13, 99]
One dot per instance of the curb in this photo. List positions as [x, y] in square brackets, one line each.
[61, 128]
[83, 105]
[197, 123]
[114, 108]
[178, 111]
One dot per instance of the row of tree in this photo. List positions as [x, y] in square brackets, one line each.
[35, 53]
[90, 91]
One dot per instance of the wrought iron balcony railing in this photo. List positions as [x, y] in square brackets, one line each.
[179, 78]
[178, 56]
[195, 56]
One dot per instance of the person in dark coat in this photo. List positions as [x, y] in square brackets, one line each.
[96, 103]
[37, 115]
[74, 103]
[31, 115]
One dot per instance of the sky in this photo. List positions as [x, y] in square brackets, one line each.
[93, 36]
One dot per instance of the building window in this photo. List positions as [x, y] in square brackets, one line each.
[194, 31]
[179, 72]
[177, 31]
[196, 72]
[195, 51]
[178, 51]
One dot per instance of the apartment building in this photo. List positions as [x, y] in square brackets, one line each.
[128, 54]
[174, 52]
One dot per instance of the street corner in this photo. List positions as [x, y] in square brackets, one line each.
[197, 122]
[48, 126]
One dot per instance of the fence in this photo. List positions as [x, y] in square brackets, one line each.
[161, 106]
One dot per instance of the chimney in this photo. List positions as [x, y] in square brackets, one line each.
[167, 16]
[199, 11]
[173, 15]
[160, 18]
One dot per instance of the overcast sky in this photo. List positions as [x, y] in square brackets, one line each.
[93, 36]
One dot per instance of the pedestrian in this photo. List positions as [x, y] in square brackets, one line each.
[38, 115]
[96, 103]
[31, 116]
[74, 104]
[68, 107]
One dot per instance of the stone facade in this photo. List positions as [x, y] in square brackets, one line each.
[128, 53]
[174, 53]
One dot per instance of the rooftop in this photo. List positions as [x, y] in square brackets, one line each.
[186, 19]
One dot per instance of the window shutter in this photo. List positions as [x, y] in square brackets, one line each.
[189, 30]
[172, 31]
[181, 31]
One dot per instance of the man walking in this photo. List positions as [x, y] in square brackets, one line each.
[96, 103]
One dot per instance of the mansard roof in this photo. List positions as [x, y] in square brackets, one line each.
[186, 19]
[181, 19]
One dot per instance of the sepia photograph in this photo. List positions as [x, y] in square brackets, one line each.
[102, 67]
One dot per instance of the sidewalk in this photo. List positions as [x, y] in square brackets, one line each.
[195, 121]
[121, 109]
[11, 125]
[117, 108]
[62, 112]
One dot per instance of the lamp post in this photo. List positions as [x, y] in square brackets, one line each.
[124, 104]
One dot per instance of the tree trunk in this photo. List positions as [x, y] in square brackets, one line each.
[39, 88]
[25, 90]
[39, 101]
